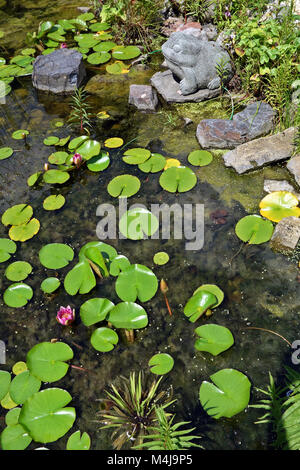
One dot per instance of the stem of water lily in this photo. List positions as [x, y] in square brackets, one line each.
[129, 335]
[168, 305]
[79, 368]
[269, 331]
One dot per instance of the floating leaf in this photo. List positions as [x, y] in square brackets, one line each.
[34, 178]
[99, 27]
[154, 164]
[20, 134]
[227, 396]
[56, 176]
[21, 233]
[136, 282]
[119, 263]
[23, 386]
[198, 304]
[18, 271]
[161, 257]
[54, 202]
[7, 248]
[178, 179]
[104, 46]
[5, 379]
[126, 52]
[124, 186]
[5, 152]
[28, 51]
[116, 68]
[5, 88]
[170, 162]
[17, 215]
[51, 140]
[7, 402]
[12, 416]
[104, 339]
[200, 158]
[56, 255]
[107, 252]
[58, 158]
[99, 162]
[213, 289]
[86, 16]
[279, 204]
[136, 156]
[17, 295]
[49, 285]
[45, 415]
[138, 223]
[114, 142]
[80, 279]
[161, 364]
[15, 438]
[89, 149]
[95, 310]
[47, 360]
[75, 143]
[78, 442]
[99, 58]
[213, 338]
[128, 315]
[19, 367]
[254, 230]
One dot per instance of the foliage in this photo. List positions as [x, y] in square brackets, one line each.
[80, 115]
[198, 9]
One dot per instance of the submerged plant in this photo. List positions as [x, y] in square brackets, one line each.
[80, 114]
[130, 408]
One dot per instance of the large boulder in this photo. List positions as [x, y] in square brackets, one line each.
[62, 71]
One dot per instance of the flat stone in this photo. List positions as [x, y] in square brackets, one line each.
[261, 152]
[143, 97]
[168, 88]
[271, 186]
[254, 121]
[62, 71]
[294, 167]
[286, 235]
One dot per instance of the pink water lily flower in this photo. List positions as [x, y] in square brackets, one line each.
[65, 315]
[77, 159]
[63, 45]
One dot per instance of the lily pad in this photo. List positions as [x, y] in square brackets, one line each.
[18, 271]
[214, 339]
[200, 158]
[17, 295]
[161, 257]
[51, 140]
[124, 186]
[161, 364]
[22, 233]
[198, 304]
[178, 179]
[99, 162]
[5, 379]
[104, 339]
[17, 215]
[254, 230]
[170, 162]
[80, 279]
[5, 152]
[20, 134]
[54, 202]
[279, 204]
[75, 143]
[46, 360]
[7, 402]
[56, 255]
[78, 442]
[7, 248]
[105, 46]
[116, 68]
[107, 252]
[95, 310]
[23, 386]
[12, 416]
[114, 142]
[136, 156]
[33, 179]
[139, 223]
[56, 176]
[126, 52]
[213, 289]
[58, 158]
[99, 58]
[15, 437]
[128, 315]
[19, 367]
[46, 416]
[88, 149]
[136, 282]
[118, 264]
[99, 27]
[227, 396]
[49, 285]
[154, 164]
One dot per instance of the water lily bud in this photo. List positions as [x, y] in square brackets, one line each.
[63, 45]
[46, 167]
[77, 159]
[65, 315]
[163, 286]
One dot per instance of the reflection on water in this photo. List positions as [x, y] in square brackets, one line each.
[260, 287]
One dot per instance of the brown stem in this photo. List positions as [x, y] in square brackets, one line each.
[168, 305]
[129, 335]
[79, 368]
[269, 331]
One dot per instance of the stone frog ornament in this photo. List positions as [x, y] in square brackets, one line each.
[194, 60]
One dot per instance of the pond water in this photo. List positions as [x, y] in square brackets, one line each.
[260, 286]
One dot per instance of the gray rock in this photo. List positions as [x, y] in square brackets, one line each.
[193, 61]
[254, 121]
[143, 97]
[168, 88]
[294, 167]
[62, 71]
[271, 186]
[262, 151]
[286, 235]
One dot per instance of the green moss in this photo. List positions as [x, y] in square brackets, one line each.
[216, 108]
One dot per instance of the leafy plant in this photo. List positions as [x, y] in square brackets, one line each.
[279, 204]
[253, 229]
[80, 115]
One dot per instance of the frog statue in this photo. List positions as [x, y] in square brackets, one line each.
[193, 61]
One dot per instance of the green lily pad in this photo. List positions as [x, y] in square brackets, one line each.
[18, 271]
[198, 304]
[56, 255]
[105, 46]
[227, 396]
[23, 386]
[49, 285]
[213, 289]
[17, 295]
[136, 282]
[89, 148]
[99, 58]
[86, 16]
[104, 339]
[178, 179]
[99, 27]
[46, 416]
[114, 142]
[20, 134]
[5, 379]
[99, 253]
[118, 264]
[15, 438]
[52, 140]
[200, 158]
[126, 52]
[54, 202]
[33, 179]
[5, 89]
[5, 152]
[46, 360]
[279, 204]
[214, 339]
[22, 233]
[136, 156]
[80, 279]
[62, 142]
[12, 416]
[17, 215]
[137, 224]
[254, 230]
[161, 364]
[116, 68]
[78, 442]
[128, 315]
[28, 51]
[95, 310]
[7, 248]
[58, 158]
[56, 176]
[154, 164]
[99, 162]
[19, 367]
[75, 143]
[123, 186]
[161, 257]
